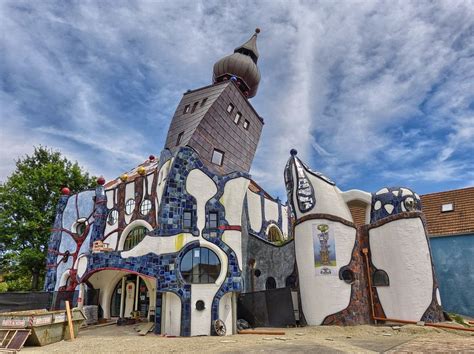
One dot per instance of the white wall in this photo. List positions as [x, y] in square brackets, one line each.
[271, 210]
[255, 212]
[225, 312]
[401, 249]
[171, 314]
[322, 295]
[329, 198]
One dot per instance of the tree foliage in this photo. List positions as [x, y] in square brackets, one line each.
[28, 202]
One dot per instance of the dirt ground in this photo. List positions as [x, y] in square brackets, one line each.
[327, 339]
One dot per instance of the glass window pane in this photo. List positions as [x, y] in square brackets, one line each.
[200, 265]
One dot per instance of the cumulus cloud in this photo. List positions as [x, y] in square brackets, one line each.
[369, 92]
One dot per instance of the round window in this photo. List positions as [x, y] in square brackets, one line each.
[80, 226]
[145, 207]
[200, 265]
[113, 217]
[129, 206]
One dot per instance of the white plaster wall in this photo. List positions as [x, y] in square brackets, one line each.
[160, 186]
[201, 320]
[171, 313]
[81, 265]
[271, 210]
[329, 199]
[322, 295]
[110, 198]
[233, 239]
[401, 249]
[233, 199]
[129, 194]
[203, 188]
[129, 228]
[150, 183]
[225, 312]
[157, 245]
[106, 280]
[284, 221]
[255, 211]
[112, 240]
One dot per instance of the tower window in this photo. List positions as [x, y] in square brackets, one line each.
[230, 108]
[194, 107]
[217, 157]
[180, 136]
[203, 102]
[237, 118]
[186, 109]
[212, 222]
[187, 219]
[246, 124]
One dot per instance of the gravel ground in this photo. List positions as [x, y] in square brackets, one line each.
[327, 339]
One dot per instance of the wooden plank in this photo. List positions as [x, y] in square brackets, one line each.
[19, 339]
[69, 320]
[147, 327]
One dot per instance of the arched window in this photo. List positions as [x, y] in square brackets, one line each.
[274, 234]
[270, 283]
[200, 266]
[134, 237]
[380, 278]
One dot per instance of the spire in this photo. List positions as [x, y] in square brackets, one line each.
[250, 47]
[241, 67]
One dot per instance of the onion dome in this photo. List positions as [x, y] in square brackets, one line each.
[241, 67]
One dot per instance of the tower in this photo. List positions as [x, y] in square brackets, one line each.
[218, 121]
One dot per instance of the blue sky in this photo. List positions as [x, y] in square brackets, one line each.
[371, 93]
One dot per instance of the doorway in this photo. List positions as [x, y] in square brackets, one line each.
[131, 294]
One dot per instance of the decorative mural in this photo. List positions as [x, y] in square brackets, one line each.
[324, 250]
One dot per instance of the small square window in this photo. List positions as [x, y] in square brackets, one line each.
[230, 108]
[246, 124]
[212, 220]
[237, 118]
[186, 109]
[447, 207]
[187, 219]
[203, 102]
[180, 137]
[217, 157]
[194, 107]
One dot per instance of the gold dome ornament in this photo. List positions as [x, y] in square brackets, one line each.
[141, 171]
[124, 177]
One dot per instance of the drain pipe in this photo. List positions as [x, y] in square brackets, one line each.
[365, 251]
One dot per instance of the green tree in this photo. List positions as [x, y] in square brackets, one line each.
[28, 202]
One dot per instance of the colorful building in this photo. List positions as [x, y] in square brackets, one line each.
[178, 238]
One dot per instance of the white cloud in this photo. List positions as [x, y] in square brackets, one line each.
[356, 86]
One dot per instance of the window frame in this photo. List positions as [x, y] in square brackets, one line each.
[137, 237]
[202, 271]
[215, 223]
[193, 109]
[231, 106]
[179, 138]
[133, 206]
[203, 102]
[237, 118]
[185, 212]
[142, 206]
[186, 109]
[246, 124]
[217, 151]
[447, 207]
